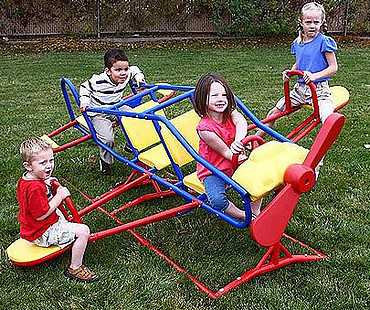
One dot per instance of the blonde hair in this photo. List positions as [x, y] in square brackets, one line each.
[31, 147]
[312, 6]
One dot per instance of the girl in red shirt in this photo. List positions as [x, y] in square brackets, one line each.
[221, 130]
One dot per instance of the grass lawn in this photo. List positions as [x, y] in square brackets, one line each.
[333, 217]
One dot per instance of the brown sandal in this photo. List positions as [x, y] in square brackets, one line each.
[81, 274]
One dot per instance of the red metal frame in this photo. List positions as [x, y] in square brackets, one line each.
[307, 125]
[276, 215]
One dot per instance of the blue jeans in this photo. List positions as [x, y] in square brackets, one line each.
[216, 193]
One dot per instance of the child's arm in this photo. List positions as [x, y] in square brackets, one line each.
[137, 75]
[286, 78]
[330, 70]
[216, 143]
[85, 96]
[241, 131]
[61, 194]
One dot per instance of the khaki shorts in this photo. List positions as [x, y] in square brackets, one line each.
[301, 95]
[61, 233]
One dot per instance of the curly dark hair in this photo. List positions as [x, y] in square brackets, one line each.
[113, 56]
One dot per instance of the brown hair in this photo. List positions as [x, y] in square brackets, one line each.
[201, 95]
[31, 147]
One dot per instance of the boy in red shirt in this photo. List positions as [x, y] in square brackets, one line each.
[41, 222]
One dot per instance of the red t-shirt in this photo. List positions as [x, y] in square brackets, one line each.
[226, 131]
[33, 203]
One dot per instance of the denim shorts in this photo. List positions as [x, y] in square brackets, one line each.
[216, 193]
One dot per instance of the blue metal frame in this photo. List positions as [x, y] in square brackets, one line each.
[159, 121]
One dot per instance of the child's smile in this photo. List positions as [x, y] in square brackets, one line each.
[217, 102]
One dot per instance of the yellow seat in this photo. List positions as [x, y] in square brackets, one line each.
[186, 124]
[23, 252]
[141, 132]
[339, 94]
[263, 171]
[53, 144]
[194, 183]
[155, 157]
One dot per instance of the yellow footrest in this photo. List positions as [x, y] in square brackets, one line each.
[50, 140]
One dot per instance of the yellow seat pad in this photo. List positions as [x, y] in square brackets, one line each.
[186, 124]
[155, 157]
[266, 166]
[21, 251]
[141, 132]
[53, 144]
[194, 183]
[263, 171]
[339, 94]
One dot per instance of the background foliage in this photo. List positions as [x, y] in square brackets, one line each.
[231, 17]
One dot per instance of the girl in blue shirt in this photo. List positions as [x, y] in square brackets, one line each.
[315, 56]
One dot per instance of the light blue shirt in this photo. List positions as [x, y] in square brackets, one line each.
[310, 56]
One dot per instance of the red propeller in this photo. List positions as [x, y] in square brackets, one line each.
[268, 228]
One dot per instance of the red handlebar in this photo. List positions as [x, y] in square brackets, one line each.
[69, 203]
[313, 91]
[256, 140]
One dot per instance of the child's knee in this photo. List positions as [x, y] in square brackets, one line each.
[82, 230]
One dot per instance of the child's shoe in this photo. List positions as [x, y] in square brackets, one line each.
[104, 167]
[81, 274]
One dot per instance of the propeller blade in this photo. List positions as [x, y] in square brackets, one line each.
[268, 228]
[325, 138]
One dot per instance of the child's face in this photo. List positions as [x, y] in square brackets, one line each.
[311, 23]
[119, 72]
[217, 102]
[41, 166]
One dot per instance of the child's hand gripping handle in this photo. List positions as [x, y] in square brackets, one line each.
[69, 203]
[250, 143]
[313, 91]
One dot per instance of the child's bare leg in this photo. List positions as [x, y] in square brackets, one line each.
[274, 111]
[233, 211]
[79, 246]
[256, 207]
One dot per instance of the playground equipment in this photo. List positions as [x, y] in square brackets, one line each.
[280, 166]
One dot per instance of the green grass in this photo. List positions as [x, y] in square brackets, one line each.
[332, 218]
